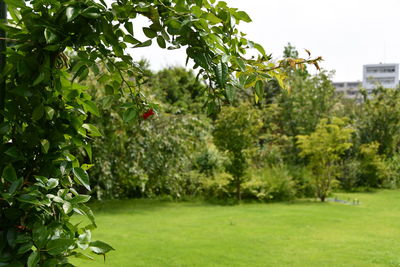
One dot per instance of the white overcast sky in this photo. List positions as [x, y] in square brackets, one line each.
[346, 33]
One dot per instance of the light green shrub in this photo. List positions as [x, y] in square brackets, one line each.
[218, 186]
[270, 183]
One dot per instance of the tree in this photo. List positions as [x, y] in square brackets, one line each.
[378, 120]
[45, 137]
[178, 90]
[236, 131]
[323, 149]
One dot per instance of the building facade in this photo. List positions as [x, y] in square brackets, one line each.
[386, 75]
[374, 75]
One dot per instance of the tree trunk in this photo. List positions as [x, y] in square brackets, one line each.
[238, 192]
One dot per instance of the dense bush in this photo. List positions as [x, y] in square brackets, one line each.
[156, 158]
[218, 187]
[270, 184]
[210, 161]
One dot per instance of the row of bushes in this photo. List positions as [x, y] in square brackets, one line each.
[182, 153]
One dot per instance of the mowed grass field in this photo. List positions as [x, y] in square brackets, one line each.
[301, 233]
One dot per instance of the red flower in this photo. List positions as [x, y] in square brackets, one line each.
[147, 114]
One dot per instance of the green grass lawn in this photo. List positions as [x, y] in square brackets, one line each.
[302, 233]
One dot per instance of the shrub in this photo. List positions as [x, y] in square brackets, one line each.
[270, 184]
[372, 166]
[218, 186]
[155, 159]
[349, 174]
[302, 176]
[210, 161]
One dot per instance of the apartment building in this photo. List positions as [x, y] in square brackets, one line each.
[386, 75]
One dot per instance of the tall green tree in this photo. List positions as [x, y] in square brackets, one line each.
[236, 131]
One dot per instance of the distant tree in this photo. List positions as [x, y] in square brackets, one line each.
[290, 51]
[179, 90]
[379, 120]
[323, 149]
[302, 106]
[236, 131]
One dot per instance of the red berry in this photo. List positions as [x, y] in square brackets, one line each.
[147, 114]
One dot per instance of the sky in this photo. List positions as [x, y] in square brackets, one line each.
[346, 33]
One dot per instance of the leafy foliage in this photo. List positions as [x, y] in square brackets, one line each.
[379, 120]
[236, 131]
[323, 149]
[44, 130]
[149, 160]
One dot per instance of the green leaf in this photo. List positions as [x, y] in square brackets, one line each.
[241, 15]
[50, 36]
[241, 64]
[38, 113]
[88, 149]
[82, 177]
[91, 12]
[27, 198]
[212, 18]
[40, 78]
[100, 247]
[224, 70]
[90, 106]
[49, 113]
[72, 13]
[221, 74]
[259, 48]
[259, 88]
[45, 145]
[83, 73]
[149, 32]
[9, 173]
[55, 198]
[161, 42]
[33, 259]
[52, 183]
[57, 246]
[129, 27]
[130, 114]
[144, 44]
[13, 152]
[67, 207]
[25, 247]
[93, 131]
[84, 239]
[40, 235]
[15, 186]
[15, 3]
[85, 210]
[131, 40]
[251, 79]
[230, 93]
[83, 256]
[80, 199]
